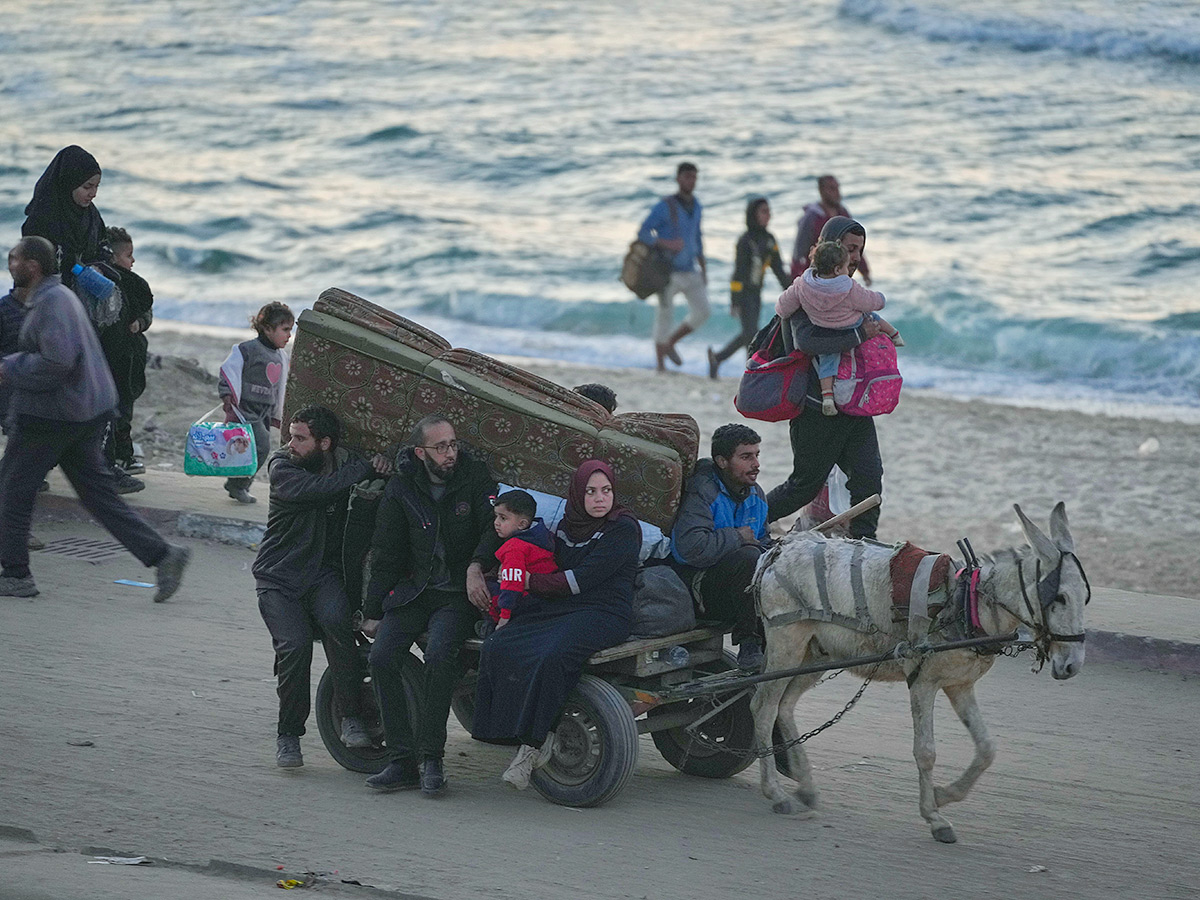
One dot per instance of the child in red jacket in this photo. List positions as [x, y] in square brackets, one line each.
[528, 547]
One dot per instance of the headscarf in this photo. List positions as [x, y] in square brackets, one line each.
[52, 213]
[839, 226]
[752, 215]
[576, 522]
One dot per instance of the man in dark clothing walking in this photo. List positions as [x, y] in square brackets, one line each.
[756, 252]
[719, 534]
[299, 578]
[821, 442]
[435, 511]
[62, 399]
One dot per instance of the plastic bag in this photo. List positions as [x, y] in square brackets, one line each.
[216, 447]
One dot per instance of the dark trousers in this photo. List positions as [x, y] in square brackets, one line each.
[294, 622]
[722, 591]
[262, 448]
[748, 312]
[35, 446]
[818, 444]
[450, 620]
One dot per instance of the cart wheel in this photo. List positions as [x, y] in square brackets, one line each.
[733, 727]
[368, 760]
[595, 747]
[463, 704]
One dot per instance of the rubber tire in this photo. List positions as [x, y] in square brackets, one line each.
[596, 712]
[679, 749]
[369, 761]
[463, 704]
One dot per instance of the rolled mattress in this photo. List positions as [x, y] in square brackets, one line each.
[381, 373]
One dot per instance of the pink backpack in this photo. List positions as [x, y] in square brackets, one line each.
[868, 382]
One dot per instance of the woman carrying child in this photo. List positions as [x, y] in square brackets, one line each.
[252, 382]
[528, 668]
[832, 299]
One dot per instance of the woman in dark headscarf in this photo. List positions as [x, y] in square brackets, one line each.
[757, 251]
[528, 668]
[62, 210]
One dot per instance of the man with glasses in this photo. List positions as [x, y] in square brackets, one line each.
[434, 512]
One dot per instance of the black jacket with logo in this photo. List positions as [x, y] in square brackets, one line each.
[421, 542]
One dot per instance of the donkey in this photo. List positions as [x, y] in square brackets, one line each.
[807, 589]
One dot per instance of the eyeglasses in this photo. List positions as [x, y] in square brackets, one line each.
[441, 449]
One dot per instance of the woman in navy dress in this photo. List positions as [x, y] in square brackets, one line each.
[528, 668]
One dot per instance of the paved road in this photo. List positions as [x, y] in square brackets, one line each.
[1096, 778]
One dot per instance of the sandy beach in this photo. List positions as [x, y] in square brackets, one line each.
[952, 468]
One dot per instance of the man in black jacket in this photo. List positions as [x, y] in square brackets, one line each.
[434, 512]
[299, 579]
[821, 442]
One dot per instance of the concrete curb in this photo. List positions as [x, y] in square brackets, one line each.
[1180, 657]
[219, 528]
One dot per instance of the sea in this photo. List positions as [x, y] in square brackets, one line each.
[1028, 172]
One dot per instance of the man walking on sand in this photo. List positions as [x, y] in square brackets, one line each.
[299, 578]
[62, 399]
[674, 225]
[808, 229]
[821, 442]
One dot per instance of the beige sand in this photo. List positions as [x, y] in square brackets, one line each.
[952, 468]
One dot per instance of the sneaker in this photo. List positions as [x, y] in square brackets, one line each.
[400, 775]
[17, 587]
[433, 781]
[170, 571]
[127, 484]
[828, 407]
[131, 466]
[33, 542]
[241, 495]
[713, 365]
[287, 752]
[750, 656]
[354, 733]
[518, 771]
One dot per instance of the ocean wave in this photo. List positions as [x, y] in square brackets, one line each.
[386, 135]
[207, 260]
[1177, 42]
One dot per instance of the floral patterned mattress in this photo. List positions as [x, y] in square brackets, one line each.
[381, 373]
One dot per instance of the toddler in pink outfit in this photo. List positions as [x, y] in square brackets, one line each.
[832, 299]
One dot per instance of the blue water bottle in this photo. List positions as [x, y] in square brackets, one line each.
[95, 284]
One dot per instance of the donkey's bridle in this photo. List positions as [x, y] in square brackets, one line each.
[1047, 593]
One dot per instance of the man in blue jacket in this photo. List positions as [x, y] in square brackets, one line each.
[674, 226]
[719, 534]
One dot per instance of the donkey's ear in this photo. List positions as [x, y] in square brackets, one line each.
[1042, 545]
[1060, 532]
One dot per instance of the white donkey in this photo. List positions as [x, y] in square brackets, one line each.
[832, 597]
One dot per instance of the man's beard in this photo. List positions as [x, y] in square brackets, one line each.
[313, 462]
[440, 473]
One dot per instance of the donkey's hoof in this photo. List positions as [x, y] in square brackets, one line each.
[945, 834]
[808, 798]
[785, 808]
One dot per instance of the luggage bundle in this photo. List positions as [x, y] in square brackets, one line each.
[381, 372]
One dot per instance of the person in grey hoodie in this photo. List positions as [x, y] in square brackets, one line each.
[63, 397]
[719, 534]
